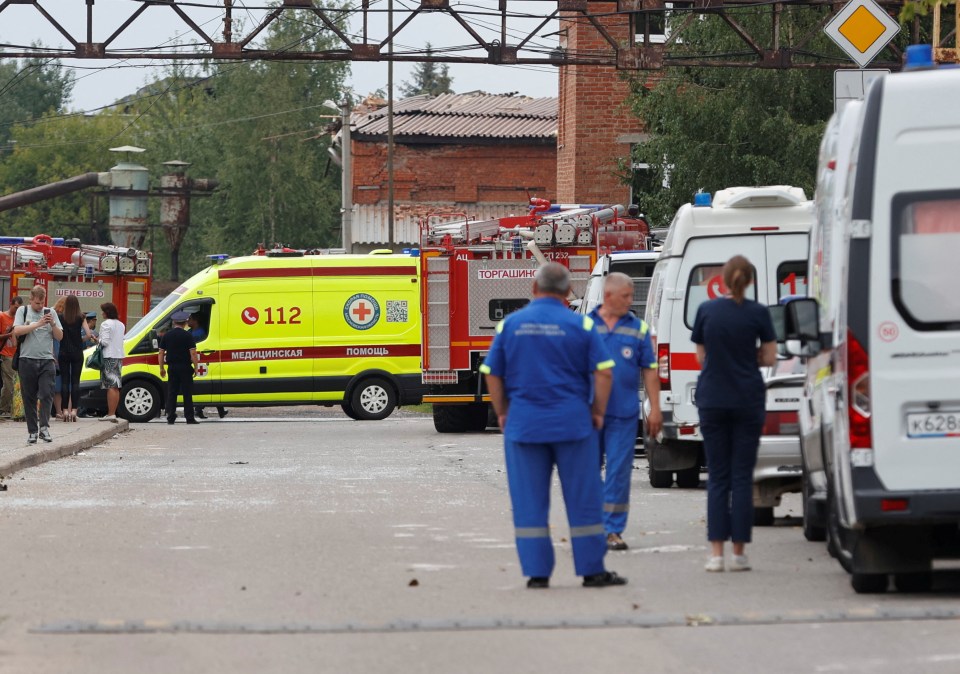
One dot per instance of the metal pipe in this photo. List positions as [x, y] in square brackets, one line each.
[390, 126]
[51, 190]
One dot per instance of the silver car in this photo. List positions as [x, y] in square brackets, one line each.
[779, 470]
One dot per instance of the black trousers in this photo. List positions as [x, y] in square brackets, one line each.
[180, 381]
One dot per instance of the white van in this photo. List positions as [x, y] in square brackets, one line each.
[637, 264]
[768, 225]
[882, 332]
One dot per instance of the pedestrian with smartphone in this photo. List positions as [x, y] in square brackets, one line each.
[39, 326]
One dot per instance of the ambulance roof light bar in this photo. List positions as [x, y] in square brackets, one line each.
[218, 258]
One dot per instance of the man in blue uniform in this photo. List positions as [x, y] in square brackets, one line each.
[541, 368]
[628, 340]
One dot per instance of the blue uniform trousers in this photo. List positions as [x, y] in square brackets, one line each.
[617, 439]
[529, 473]
[731, 439]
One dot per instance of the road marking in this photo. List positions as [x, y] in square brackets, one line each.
[644, 621]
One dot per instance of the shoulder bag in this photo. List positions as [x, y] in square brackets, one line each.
[16, 356]
[95, 359]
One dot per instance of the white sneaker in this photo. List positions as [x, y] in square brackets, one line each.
[714, 564]
[109, 417]
[739, 563]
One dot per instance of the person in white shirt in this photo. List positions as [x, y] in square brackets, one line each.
[111, 339]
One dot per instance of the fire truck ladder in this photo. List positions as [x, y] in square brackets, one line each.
[437, 317]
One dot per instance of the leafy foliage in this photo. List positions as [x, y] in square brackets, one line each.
[29, 89]
[428, 78]
[712, 128]
[256, 127]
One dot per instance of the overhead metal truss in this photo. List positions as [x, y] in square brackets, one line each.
[503, 36]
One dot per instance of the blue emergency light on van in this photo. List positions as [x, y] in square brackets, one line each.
[919, 57]
[702, 199]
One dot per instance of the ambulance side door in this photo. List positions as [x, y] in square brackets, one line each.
[206, 379]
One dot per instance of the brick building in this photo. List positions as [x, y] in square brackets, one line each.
[596, 128]
[476, 153]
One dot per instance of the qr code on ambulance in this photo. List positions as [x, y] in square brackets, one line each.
[397, 311]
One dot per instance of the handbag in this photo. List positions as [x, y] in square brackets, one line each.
[95, 359]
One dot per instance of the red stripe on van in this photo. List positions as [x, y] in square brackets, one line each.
[281, 272]
[296, 353]
[684, 361]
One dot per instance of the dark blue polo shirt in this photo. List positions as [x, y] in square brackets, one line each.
[546, 356]
[631, 348]
[731, 334]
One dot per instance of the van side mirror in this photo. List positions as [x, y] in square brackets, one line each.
[801, 335]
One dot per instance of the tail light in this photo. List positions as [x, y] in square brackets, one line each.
[858, 394]
[663, 366]
[781, 423]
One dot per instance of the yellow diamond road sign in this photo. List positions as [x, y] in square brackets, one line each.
[861, 29]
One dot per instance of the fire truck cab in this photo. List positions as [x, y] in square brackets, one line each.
[475, 273]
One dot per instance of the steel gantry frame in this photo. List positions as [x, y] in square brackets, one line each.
[640, 51]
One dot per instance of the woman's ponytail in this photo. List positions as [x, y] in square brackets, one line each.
[737, 275]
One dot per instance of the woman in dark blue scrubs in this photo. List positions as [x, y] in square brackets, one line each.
[734, 337]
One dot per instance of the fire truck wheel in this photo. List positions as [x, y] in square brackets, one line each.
[345, 406]
[139, 401]
[373, 399]
[451, 418]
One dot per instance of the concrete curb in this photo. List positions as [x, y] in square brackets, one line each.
[34, 455]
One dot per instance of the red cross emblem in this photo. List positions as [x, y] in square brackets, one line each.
[361, 312]
[201, 370]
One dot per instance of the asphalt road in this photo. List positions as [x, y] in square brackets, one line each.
[305, 542]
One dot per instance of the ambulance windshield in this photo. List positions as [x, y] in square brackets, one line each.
[153, 315]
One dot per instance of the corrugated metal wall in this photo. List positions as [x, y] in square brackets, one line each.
[370, 220]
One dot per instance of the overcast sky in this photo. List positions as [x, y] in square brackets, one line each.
[100, 83]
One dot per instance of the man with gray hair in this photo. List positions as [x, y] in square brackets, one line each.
[548, 375]
[628, 340]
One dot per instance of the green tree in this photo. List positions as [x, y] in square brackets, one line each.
[28, 90]
[711, 128]
[55, 148]
[428, 78]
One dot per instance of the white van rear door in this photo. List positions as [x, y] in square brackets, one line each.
[914, 345]
[701, 276]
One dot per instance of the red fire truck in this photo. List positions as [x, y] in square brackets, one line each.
[95, 274]
[474, 273]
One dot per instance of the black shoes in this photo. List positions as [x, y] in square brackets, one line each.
[605, 579]
[193, 421]
[222, 412]
[199, 413]
[538, 582]
[615, 542]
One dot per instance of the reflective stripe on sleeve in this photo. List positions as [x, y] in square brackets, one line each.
[485, 369]
[531, 532]
[616, 507]
[587, 323]
[592, 530]
[500, 326]
[606, 365]
[644, 328]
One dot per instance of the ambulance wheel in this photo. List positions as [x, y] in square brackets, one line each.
[661, 479]
[349, 411]
[689, 478]
[373, 399]
[139, 401]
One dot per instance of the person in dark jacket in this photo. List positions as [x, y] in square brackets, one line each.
[734, 337]
[178, 352]
[75, 332]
